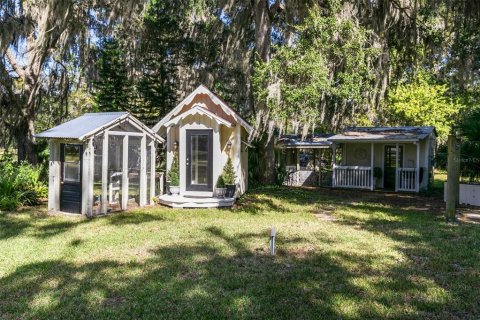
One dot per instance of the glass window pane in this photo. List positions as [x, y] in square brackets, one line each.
[71, 163]
[71, 172]
[199, 162]
[72, 153]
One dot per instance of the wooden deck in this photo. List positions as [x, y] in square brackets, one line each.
[178, 201]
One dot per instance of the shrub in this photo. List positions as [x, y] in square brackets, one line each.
[228, 173]
[377, 172]
[221, 181]
[20, 184]
[174, 173]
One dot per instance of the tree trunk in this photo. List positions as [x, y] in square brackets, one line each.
[266, 159]
[263, 31]
[24, 130]
[24, 137]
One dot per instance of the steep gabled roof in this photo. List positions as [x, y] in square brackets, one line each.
[225, 112]
[90, 124]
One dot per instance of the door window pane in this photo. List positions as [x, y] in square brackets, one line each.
[71, 164]
[199, 161]
[391, 157]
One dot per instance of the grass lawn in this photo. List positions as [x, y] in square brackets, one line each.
[347, 255]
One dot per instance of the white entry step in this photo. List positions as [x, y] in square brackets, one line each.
[178, 201]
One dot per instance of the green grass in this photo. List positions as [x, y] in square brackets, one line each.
[341, 255]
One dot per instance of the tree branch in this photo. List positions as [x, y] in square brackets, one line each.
[13, 62]
[277, 6]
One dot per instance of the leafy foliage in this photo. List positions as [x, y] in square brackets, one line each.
[423, 102]
[20, 184]
[323, 79]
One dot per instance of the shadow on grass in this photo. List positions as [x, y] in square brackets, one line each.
[200, 282]
[133, 217]
[436, 277]
[15, 224]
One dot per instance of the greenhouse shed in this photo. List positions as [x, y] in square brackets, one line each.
[101, 162]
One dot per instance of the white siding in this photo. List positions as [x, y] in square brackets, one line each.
[221, 136]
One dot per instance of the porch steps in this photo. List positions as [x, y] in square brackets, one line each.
[178, 201]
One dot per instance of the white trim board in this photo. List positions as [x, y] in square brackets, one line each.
[203, 90]
[197, 109]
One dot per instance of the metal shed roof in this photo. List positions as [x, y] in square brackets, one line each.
[383, 134]
[311, 141]
[90, 124]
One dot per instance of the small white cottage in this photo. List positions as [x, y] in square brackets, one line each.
[101, 162]
[203, 131]
[389, 158]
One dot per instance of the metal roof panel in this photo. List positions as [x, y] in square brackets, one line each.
[82, 126]
[408, 133]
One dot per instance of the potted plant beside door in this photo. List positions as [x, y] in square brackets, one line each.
[174, 177]
[220, 189]
[229, 178]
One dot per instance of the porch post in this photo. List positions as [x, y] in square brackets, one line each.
[152, 171]
[372, 178]
[396, 167]
[237, 149]
[87, 179]
[298, 159]
[334, 163]
[143, 171]
[417, 170]
[54, 176]
[125, 173]
[297, 173]
[105, 173]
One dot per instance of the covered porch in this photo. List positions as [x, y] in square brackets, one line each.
[394, 175]
[306, 162]
[398, 159]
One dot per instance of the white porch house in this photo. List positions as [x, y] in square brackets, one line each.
[393, 158]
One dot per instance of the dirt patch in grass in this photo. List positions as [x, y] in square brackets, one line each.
[414, 202]
[114, 301]
[324, 213]
[469, 214]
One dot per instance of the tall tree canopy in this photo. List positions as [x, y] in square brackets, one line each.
[422, 102]
[288, 65]
[37, 37]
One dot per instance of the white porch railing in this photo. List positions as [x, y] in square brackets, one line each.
[407, 179]
[352, 177]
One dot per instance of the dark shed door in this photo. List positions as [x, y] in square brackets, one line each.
[199, 160]
[71, 178]
[391, 165]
